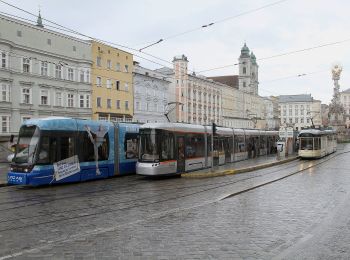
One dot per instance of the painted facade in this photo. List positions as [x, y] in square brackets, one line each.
[42, 73]
[112, 83]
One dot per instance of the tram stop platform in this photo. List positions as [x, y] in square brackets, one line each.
[240, 167]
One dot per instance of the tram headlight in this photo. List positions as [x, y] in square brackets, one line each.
[11, 169]
[26, 170]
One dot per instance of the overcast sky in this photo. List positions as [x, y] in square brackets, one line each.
[285, 27]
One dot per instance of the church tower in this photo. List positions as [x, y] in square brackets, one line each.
[248, 71]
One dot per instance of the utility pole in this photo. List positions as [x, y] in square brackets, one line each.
[213, 132]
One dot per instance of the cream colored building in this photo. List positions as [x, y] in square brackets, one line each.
[345, 101]
[300, 111]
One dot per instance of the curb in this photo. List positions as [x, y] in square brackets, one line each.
[235, 171]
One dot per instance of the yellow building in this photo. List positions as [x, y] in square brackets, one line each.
[112, 86]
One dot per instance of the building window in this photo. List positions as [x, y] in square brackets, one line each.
[98, 102]
[49, 41]
[5, 92]
[70, 74]
[117, 104]
[137, 105]
[19, 33]
[296, 120]
[98, 61]
[308, 120]
[5, 124]
[82, 76]
[126, 105]
[117, 66]
[98, 81]
[81, 101]
[26, 95]
[109, 83]
[87, 76]
[87, 101]
[70, 100]
[109, 104]
[26, 65]
[244, 70]
[3, 60]
[58, 71]
[44, 97]
[244, 84]
[44, 67]
[109, 64]
[126, 68]
[117, 85]
[58, 99]
[74, 48]
[126, 87]
[302, 120]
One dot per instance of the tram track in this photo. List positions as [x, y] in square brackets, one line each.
[84, 234]
[215, 186]
[54, 219]
[116, 193]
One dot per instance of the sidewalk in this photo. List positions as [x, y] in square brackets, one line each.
[240, 167]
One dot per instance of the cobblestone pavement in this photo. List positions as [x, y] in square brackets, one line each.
[4, 168]
[140, 218]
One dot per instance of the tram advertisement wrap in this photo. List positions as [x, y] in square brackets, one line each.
[66, 167]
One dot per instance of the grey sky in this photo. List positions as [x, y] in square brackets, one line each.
[288, 26]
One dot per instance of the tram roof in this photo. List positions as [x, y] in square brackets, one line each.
[62, 123]
[316, 132]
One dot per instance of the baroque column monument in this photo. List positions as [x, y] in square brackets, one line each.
[336, 110]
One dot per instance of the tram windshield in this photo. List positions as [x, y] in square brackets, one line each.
[149, 151]
[27, 145]
[306, 143]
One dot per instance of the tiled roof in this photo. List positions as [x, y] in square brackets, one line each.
[295, 98]
[231, 80]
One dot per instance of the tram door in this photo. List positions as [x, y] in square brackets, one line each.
[180, 153]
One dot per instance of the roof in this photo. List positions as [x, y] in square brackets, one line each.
[346, 91]
[295, 98]
[230, 80]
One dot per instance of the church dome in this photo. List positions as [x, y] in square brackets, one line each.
[252, 56]
[245, 51]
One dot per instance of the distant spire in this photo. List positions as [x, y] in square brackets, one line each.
[39, 21]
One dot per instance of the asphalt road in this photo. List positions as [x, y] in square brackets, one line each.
[298, 210]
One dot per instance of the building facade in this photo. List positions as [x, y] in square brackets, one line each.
[345, 101]
[300, 111]
[112, 83]
[272, 113]
[151, 95]
[42, 73]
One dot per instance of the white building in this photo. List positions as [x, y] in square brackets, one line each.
[345, 101]
[151, 95]
[42, 73]
[299, 111]
[272, 113]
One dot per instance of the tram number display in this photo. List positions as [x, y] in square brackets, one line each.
[66, 167]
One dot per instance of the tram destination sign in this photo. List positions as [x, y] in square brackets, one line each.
[66, 167]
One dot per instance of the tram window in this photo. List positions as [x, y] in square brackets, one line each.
[239, 144]
[87, 148]
[317, 143]
[209, 144]
[130, 146]
[195, 146]
[167, 147]
[47, 152]
[67, 147]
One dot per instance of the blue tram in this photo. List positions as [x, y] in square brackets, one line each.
[61, 150]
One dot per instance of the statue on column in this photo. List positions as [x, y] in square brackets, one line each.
[336, 110]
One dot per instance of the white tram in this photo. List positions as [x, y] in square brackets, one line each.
[315, 143]
[175, 148]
